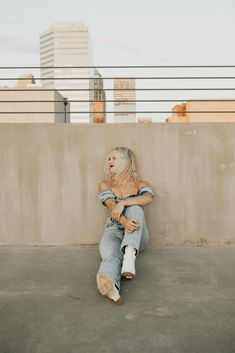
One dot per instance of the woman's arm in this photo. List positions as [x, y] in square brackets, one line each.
[141, 200]
[111, 203]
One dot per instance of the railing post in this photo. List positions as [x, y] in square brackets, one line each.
[65, 109]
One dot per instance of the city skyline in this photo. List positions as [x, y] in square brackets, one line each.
[127, 33]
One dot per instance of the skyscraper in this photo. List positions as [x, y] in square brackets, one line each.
[124, 100]
[66, 45]
[99, 106]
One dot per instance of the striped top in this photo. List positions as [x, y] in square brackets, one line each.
[109, 194]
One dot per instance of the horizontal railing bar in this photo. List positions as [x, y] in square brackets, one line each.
[129, 112]
[122, 78]
[111, 89]
[117, 67]
[118, 101]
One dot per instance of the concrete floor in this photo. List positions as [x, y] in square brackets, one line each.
[181, 301]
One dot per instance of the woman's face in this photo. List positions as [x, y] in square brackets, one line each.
[112, 161]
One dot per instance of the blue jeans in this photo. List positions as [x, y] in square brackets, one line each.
[115, 238]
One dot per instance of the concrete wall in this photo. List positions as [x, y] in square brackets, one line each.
[49, 175]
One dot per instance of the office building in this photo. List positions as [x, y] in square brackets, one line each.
[29, 102]
[221, 110]
[64, 51]
[124, 100]
[99, 103]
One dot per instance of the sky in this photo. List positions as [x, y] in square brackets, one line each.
[125, 32]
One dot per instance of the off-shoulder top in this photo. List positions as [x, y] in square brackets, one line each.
[109, 194]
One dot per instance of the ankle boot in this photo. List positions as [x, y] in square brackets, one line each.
[128, 265]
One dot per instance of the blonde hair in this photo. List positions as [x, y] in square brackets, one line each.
[125, 171]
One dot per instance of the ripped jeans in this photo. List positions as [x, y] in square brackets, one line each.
[115, 238]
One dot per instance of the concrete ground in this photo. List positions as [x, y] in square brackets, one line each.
[181, 301]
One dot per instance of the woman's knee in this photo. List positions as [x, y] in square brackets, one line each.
[135, 210]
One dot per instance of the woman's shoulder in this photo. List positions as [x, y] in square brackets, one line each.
[103, 185]
[142, 183]
[144, 186]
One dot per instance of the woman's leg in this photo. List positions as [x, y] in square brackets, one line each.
[111, 254]
[145, 237]
[139, 239]
[133, 242]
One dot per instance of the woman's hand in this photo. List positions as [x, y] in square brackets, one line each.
[130, 224]
[117, 211]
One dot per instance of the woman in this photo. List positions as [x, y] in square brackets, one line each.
[125, 233]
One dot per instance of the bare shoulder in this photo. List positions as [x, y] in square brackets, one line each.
[142, 183]
[102, 186]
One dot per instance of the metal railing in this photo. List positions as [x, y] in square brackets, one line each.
[156, 90]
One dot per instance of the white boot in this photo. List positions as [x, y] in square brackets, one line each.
[128, 265]
[107, 287]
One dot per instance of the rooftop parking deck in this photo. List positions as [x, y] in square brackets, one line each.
[181, 301]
